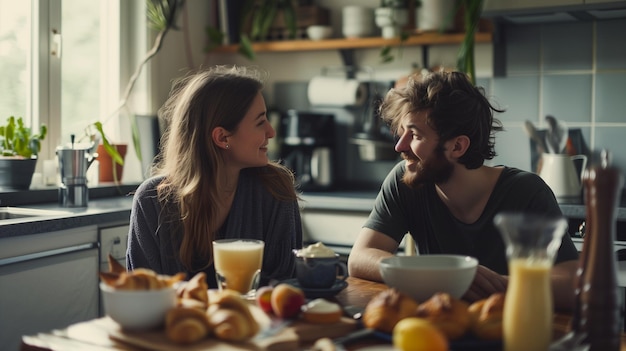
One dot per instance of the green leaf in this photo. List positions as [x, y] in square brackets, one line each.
[289, 13]
[245, 47]
[266, 20]
[216, 38]
[110, 149]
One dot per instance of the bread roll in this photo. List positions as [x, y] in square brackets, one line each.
[486, 317]
[448, 314]
[186, 325]
[387, 308]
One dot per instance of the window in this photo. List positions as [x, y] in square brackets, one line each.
[60, 64]
[14, 57]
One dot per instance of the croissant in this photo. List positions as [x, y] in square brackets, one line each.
[230, 317]
[387, 308]
[448, 314]
[114, 266]
[229, 325]
[186, 325]
[195, 293]
[139, 279]
[486, 317]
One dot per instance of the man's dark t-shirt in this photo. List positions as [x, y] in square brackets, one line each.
[399, 209]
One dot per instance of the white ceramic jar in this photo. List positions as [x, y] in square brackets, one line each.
[435, 15]
[357, 21]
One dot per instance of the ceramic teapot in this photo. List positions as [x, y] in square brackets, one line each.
[559, 173]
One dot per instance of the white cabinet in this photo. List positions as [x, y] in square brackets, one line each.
[47, 281]
[335, 228]
[113, 240]
[338, 229]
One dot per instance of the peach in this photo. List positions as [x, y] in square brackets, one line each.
[264, 298]
[287, 300]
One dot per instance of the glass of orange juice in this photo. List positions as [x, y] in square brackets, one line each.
[238, 264]
[532, 242]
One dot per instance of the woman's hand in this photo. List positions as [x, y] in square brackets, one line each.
[486, 282]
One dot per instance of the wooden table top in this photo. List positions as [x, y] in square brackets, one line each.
[358, 293]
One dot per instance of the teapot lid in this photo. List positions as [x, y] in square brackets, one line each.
[75, 146]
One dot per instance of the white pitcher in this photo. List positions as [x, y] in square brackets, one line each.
[559, 173]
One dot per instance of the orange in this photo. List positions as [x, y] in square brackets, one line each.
[418, 334]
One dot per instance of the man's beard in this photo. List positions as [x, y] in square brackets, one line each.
[436, 170]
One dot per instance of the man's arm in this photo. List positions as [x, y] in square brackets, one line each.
[487, 282]
[370, 247]
[562, 277]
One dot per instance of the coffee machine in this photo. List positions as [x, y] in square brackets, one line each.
[74, 160]
[308, 140]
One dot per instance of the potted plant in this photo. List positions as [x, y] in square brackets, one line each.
[391, 17]
[260, 15]
[19, 147]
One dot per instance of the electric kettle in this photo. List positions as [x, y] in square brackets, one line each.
[559, 173]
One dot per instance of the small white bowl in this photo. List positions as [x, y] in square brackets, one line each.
[424, 275]
[138, 309]
[318, 32]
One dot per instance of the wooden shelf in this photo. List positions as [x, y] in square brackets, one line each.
[424, 39]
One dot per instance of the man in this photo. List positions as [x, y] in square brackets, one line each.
[444, 195]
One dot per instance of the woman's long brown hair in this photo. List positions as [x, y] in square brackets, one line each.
[218, 97]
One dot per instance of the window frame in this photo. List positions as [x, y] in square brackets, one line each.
[123, 36]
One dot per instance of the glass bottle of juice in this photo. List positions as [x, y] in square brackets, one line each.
[532, 242]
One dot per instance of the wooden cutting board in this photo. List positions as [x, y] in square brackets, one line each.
[105, 331]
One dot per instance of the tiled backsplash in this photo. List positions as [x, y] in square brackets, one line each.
[575, 71]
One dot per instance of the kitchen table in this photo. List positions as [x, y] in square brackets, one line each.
[358, 293]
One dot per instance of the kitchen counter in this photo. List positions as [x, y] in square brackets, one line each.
[107, 204]
[99, 211]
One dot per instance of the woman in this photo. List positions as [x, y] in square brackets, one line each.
[214, 180]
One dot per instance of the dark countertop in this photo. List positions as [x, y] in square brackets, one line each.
[108, 204]
[99, 212]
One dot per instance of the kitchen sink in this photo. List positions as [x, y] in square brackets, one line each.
[23, 212]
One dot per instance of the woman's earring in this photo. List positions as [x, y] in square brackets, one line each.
[227, 146]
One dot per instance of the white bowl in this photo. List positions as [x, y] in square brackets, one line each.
[138, 309]
[318, 32]
[422, 276]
